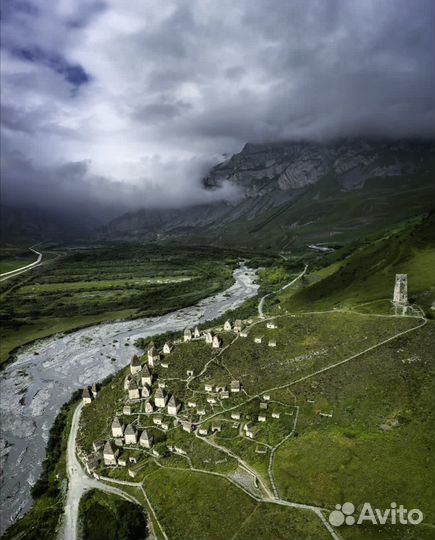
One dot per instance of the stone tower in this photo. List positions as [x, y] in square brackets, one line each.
[400, 295]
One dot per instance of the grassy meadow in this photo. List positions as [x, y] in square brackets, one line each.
[378, 445]
[13, 258]
[373, 414]
[194, 505]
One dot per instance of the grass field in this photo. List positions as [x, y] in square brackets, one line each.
[98, 284]
[365, 397]
[378, 446]
[304, 343]
[368, 274]
[193, 505]
[7, 265]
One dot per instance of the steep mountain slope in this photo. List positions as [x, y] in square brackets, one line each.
[297, 165]
[294, 193]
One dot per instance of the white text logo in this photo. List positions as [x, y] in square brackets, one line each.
[344, 514]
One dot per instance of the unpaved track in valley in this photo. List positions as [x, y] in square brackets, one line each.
[262, 300]
[22, 269]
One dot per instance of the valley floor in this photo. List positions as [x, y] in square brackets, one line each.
[63, 290]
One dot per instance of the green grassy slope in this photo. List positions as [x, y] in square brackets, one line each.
[197, 506]
[368, 274]
[105, 516]
[306, 343]
[11, 262]
[378, 446]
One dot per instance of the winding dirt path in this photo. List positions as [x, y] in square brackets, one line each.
[22, 269]
[262, 300]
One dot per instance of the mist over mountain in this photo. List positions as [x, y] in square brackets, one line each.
[273, 191]
[297, 192]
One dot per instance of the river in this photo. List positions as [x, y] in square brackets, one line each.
[41, 380]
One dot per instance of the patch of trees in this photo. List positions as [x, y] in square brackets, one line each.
[106, 517]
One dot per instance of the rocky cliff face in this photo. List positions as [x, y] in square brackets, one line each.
[260, 168]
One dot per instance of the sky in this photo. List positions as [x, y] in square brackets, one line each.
[114, 105]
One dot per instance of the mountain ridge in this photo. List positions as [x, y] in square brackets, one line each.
[283, 187]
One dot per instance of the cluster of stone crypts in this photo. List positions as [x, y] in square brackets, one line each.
[216, 342]
[210, 338]
[250, 428]
[214, 393]
[127, 435]
[271, 325]
[108, 452]
[147, 394]
[248, 424]
[139, 387]
[263, 416]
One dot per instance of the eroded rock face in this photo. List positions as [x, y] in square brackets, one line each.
[303, 172]
[351, 159]
[262, 168]
[258, 169]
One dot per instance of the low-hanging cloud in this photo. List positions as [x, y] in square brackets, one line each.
[74, 188]
[111, 106]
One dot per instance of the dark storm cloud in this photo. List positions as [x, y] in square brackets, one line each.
[11, 8]
[73, 73]
[68, 186]
[163, 89]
